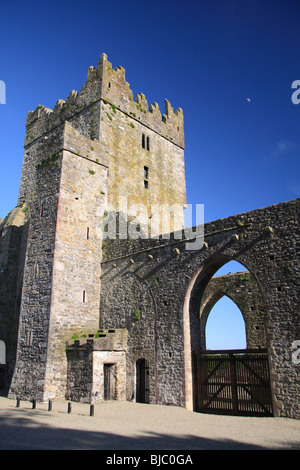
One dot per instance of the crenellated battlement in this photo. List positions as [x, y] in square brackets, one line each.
[106, 84]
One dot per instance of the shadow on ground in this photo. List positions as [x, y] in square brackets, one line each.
[18, 433]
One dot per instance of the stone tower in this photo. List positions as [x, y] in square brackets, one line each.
[80, 158]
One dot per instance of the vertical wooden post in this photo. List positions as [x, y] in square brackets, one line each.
[233, 383]
[197, 384]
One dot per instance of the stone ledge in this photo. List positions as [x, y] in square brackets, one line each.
[102, 340]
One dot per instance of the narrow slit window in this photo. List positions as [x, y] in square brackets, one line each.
[83, 297]
[36, 270]
[146, 177]
[29, 338]
[143, 140]
[148, 143]
[88, 233]
[42, 209]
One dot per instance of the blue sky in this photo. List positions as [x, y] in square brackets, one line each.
[220, 332]
[225, 327]
[229, 64]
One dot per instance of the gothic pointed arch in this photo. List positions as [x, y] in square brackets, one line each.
[225, 326]
[196, 303]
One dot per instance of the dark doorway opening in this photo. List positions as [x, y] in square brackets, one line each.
[142, 381]
[110, 382]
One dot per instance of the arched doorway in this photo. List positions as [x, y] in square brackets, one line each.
[227, 381]
[142, 381]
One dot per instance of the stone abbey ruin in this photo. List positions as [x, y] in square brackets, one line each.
[90, 317]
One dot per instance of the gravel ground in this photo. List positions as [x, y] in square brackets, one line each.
[135, 426]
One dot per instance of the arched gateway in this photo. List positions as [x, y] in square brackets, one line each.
[228, 381]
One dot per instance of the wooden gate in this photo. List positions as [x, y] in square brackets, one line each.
[235, 382]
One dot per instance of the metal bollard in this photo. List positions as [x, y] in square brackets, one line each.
[92, 410]
[50, 405]
[18, 402]
[34, 404]
[69, 407]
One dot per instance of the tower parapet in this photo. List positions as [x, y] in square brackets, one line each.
[107, 85]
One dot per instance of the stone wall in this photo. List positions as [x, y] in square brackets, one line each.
[129, 304]
[80, 375]
[13, 237]
[265, 241]
[61, 284]
[87, 359]
[76, 264]
[29, 374]
[144, 177]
